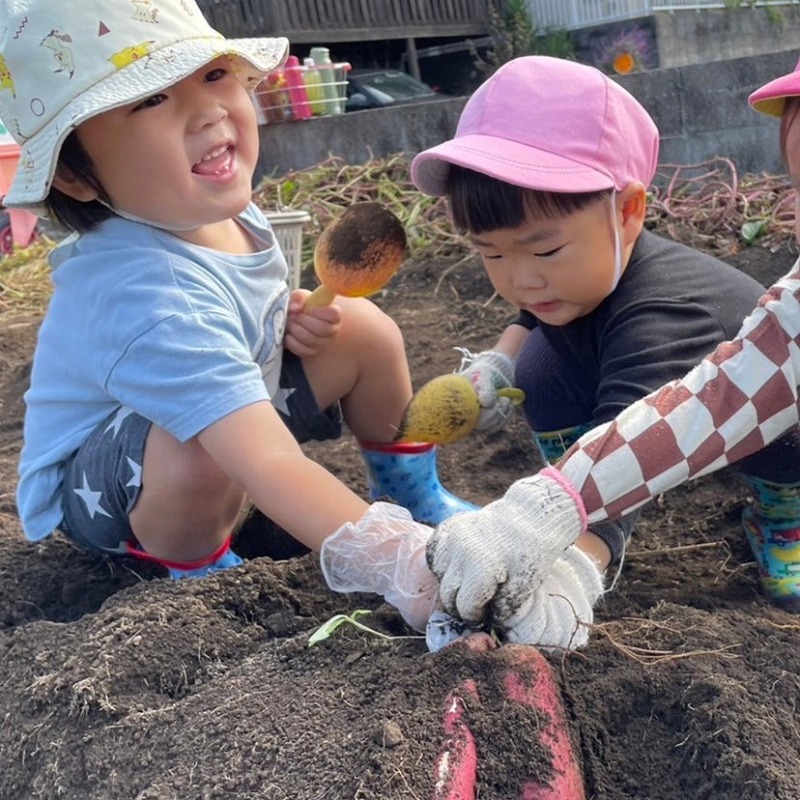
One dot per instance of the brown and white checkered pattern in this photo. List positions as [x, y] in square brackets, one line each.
[739, 399]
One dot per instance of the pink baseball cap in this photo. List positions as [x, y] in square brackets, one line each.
[771, 97]
[549, 124]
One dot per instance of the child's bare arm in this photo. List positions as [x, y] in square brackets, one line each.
[257, 451]
[371, 548]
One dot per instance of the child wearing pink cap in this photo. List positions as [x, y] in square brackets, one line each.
[547, 176]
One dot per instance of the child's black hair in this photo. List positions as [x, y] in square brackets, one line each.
[480, 203]
[74, 214]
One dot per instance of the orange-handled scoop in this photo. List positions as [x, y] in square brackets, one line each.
[357, 253]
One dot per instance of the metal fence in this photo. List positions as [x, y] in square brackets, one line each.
[572, 14]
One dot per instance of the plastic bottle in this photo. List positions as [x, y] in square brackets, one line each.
[273, 97]
[327, 76]
[298, 96]
[316, 97]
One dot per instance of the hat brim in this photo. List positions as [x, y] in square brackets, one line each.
[505, 160]
[136, 81]
[771, 98]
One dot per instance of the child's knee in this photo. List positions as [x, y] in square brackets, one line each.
[372, 327]
[183, 468]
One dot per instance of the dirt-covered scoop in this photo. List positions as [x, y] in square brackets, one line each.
[357, 253]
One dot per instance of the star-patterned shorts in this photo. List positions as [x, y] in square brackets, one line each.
[103, 478]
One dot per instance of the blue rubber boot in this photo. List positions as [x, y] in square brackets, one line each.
[772, 528]
[406, 474]
[227, 560]
[222, 558]
[553, 444]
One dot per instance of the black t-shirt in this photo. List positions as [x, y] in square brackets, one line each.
[672, 307]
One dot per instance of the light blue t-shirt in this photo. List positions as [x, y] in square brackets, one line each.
[181, 334]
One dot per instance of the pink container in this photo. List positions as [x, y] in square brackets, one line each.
[23, 223]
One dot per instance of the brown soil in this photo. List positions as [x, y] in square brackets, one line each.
[117, 683]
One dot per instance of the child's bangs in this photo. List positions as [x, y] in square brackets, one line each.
[480, 203]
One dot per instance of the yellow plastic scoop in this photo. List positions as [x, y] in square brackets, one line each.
[357, 253]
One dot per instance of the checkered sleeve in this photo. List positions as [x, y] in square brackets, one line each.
[736, 401]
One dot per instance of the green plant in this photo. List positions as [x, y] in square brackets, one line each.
[514, 33]
[775, 17]
[328, 628]
[752, 229]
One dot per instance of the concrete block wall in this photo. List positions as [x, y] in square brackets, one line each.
[700, 109]
[688, 37]
[357, 136]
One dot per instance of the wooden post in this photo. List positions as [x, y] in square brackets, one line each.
[413, 59]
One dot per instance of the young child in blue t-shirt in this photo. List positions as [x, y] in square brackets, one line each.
[175, 374]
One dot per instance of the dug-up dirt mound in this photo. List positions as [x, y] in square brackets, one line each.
[118, 684]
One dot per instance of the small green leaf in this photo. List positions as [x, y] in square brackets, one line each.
[327, 628]
[752, 229]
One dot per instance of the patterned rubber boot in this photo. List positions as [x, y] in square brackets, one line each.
[222, 558]
[553, 444]
[772, 528]
[406, 474]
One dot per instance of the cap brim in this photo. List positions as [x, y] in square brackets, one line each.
[506, 160]
[140, 79]
[771, 98]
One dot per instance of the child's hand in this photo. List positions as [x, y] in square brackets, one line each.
[560, 612]
[383, 553]
[492, 562]
[309, 331]
[489, 371]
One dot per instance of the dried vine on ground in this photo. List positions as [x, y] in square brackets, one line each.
[705, 204]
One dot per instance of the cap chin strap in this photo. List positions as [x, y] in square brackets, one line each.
[617, 246]
[150, 222]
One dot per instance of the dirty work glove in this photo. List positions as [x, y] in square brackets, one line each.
[559, 612]
[492, 561]
[487, 372]
[383, 553]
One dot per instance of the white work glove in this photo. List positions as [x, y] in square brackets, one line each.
[491, 562]
[559, 612]
[383, 553]
[488, 372]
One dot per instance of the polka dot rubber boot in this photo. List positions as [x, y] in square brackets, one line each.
[406, 474]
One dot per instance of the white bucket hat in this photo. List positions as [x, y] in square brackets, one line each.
[65, 61]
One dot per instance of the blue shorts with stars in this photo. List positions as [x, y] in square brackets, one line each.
[104, 476]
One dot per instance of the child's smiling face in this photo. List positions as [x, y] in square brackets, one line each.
[183, 158]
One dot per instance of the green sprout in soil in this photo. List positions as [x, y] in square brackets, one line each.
[328, 628]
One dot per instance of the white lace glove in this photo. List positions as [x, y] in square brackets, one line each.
[383, 553]
[492, 561]
[559, 612]
[488, 372]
